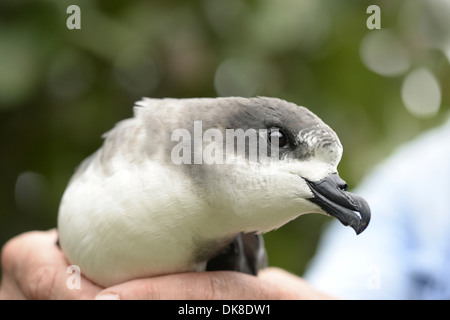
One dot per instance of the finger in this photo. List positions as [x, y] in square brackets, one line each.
[290, 286]
[192, 286]
[39, 270]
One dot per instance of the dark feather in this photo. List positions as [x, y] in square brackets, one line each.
[246, 253]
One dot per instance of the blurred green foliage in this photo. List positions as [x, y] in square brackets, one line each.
[60, 89]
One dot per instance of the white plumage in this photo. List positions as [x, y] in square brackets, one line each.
[130, 212]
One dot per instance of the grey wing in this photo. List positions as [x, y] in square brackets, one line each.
[246, 253]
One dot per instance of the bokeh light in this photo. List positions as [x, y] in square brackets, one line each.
[30, 193]
[383, 53]
[421, 93]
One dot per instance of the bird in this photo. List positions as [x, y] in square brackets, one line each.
[178, 188]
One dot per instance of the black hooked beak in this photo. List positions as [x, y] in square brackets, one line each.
[332, 196]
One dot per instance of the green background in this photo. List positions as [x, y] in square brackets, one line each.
[61, 89]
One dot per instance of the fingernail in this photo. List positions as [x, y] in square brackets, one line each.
[107, 296]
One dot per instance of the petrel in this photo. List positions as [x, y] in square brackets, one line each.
[192, 184]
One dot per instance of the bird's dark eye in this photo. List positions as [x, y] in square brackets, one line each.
[277, 138]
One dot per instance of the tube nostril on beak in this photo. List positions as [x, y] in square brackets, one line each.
[341, 184]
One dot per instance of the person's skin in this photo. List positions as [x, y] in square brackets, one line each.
[33, 267]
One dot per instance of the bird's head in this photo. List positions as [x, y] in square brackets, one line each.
[289, 161]
[265, 159]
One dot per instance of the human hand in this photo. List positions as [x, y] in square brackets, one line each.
[35, 268]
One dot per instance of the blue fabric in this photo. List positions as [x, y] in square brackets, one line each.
[405, 251]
